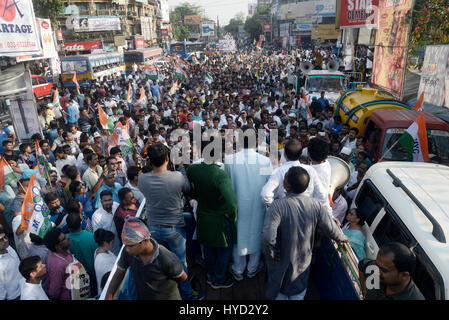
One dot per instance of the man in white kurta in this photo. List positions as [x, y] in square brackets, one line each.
[249, 171]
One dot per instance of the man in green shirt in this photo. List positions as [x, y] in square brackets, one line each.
[216, 216]
[83, 247]
[394, 263]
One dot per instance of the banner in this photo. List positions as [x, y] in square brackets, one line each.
[82, 46]
[391, 45]
[359, 13]
[207, 30]
[46, 42]
[266, 27]
[146, 24]
[435, 76]
[35, 213]
[192, 19]
[322, 8]
[86, 24]
[227, 45]
[18, 33]
[252, 9]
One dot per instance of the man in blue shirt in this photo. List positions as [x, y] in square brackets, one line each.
[324, 102]
[155, 91]
[4, 135]
[71, 113]
[110, 185]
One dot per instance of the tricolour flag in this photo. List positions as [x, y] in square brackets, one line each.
[76, 84]
[129, 96]
[121, 138]
[106, 123]
[307, 105]
[418, 105]
[180, 62]
[259, 43]
[209, 78]
[151, 72]
[173, 88]
[42, 162]
[56, 103]
[7, 175]
[35, 213]
[414, 140]
[180, 73]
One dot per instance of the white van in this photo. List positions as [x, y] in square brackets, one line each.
[409, 203]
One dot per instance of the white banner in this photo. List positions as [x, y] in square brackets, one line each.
[86, 24]
[146, 24]
[46, 37]
[18, 31]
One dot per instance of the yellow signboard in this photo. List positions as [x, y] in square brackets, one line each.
[192, 19]
[325, 32]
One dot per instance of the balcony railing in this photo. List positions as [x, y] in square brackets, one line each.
[103, 12]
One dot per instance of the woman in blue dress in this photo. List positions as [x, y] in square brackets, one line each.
[353, 230]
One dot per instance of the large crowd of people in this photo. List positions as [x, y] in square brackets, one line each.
[252, 210]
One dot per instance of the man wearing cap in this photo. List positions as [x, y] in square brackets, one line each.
[156, 270]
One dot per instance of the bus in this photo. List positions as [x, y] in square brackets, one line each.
[91, 67]
[185, 49]
[141, 57]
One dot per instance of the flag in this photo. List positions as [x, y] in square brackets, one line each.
[106, 123]
[414, 140]
[418, 105]
[195, 60]
[76, 84]
[173, 88]
[209, 78]
[42, 162]
[259, 43]
[7, 175]
[180, 73]
[35, 213]
[142, 95]
[151, 72]
[56, 102]
[129, 96]
[180, 62]
[121, 138]
[307, 105]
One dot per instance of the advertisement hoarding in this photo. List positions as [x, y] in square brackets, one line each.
[391, 45]
[292, 11]
[435, 76]
[359, 13]
[192, 19]
[46, 42]
[207, 29]
[82, 46]
[100, 23]
[19, 34]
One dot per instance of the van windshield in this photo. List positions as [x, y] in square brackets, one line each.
[325, 83]
[438, 143]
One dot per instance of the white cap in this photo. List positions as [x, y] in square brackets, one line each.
[346, 151]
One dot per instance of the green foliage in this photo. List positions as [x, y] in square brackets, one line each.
[180, 31]
[430, 25]
[253, 26]
[234, 23]
[48, 9]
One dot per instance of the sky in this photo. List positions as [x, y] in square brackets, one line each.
[224, 9]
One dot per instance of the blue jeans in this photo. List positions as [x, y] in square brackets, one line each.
[217, 259]
[175, 240]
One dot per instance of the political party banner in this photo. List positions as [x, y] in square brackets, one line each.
[87, 24]
[35, 213]
[359, 13]
[19, 34]
[227, 45]
[435, 76]
[391, 45]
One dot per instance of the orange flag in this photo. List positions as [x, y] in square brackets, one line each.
[76, 83]
[128, 99]
[418, 105]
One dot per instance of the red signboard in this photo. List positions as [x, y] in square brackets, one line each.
[59, 35]
[359, 13]
[266, 27]
[140, 43]
[164, 33]
[82, 46]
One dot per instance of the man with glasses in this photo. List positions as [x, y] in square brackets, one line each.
[10, 278]
[156, 270]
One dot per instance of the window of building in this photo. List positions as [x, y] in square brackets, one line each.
[328, 20]
[101, 6]
[84, 6]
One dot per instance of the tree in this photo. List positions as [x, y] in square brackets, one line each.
[234, 23]
[253, 26]
[48, 9]
[180, 31]
[430, 25]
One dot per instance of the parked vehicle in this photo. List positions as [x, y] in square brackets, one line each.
[41, 87]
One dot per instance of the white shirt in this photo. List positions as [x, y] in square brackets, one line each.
[105, 220]
[31, 291]
[23, 241]
[352, 181]
[350, 144]
[60, 163]
[104, 262]
[276, 183]
[10, 278]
